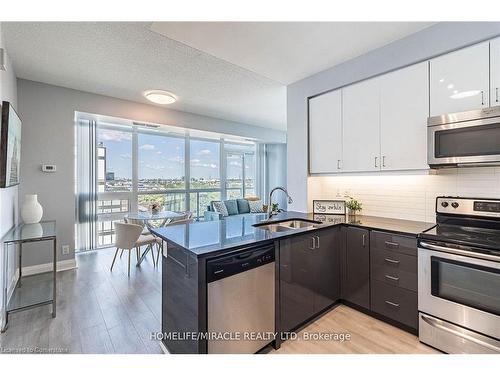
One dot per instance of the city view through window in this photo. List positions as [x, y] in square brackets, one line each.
[138, 167]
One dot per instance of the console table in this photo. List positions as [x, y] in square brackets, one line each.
[32, 290]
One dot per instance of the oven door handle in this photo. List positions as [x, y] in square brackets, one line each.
[436, 324]
[452, 250]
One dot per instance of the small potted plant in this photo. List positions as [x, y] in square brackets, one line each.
[354, 206]
[155, 208]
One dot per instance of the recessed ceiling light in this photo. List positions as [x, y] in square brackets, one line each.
[160, 97]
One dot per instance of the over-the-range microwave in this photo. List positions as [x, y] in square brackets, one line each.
[464, 139]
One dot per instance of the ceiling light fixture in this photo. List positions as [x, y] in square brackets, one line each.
[160, 96]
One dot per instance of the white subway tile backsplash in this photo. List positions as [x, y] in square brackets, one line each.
[407, 196]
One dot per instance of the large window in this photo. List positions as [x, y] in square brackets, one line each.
[205, 164]
[138, 166]
[169, 201]
[114, 159]
[161, 162]
[240, 170]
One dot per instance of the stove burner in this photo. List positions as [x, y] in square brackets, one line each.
[468, 228]
[479, 230]
[473, 236]
[450, 234]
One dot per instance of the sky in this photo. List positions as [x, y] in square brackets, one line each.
[159, 156]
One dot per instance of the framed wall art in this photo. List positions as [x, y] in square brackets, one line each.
[10, 146]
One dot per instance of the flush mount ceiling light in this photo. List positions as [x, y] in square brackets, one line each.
[160, 96]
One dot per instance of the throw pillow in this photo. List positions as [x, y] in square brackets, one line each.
[220, 207]
[255, 206]
[243, 206]
[231, 206]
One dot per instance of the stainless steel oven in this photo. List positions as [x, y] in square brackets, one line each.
[464, 139]
[458, 298]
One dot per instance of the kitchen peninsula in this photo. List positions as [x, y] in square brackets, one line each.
[334, 257]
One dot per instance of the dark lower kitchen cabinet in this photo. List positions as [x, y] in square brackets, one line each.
[326, 257]
[356, 266]
[296, 296]
[309, 275]
[394, 278]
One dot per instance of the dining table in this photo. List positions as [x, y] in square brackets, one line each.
[164, 217]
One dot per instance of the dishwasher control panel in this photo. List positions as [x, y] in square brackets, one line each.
[241, 261]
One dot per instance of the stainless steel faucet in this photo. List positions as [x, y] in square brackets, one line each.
[270, 206]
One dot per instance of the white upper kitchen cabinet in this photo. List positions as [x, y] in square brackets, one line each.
[495, 72]
[361, 126]
[325, 133]
[404, 108]
[459, 81]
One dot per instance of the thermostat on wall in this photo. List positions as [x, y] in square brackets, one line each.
[48, 168]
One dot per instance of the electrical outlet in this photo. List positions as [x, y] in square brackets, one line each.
[65, 249]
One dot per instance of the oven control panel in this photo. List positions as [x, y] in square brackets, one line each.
[468, 206]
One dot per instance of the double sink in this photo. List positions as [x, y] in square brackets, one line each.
[287, 225]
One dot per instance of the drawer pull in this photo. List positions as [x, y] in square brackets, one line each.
[393, 278]
[391, 244]
[389, 260]
[392, 303]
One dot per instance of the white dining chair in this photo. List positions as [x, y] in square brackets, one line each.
[126, 237]
[185, 218]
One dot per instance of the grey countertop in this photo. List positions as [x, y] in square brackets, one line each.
[207, 238]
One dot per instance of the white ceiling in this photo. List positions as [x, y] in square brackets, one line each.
[286, 51]
[233, 71]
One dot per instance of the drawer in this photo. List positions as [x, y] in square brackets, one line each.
[388, 241]
[396, 303]
[394, 268]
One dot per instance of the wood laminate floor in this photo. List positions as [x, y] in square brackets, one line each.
[103, 312]
[368, 336]
[98, 311]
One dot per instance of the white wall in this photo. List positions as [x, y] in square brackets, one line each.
[48, 115]
[276, 173]
[435, 40]
[8, 196]
[409, 196]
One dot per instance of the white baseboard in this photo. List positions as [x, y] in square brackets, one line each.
[62, 265]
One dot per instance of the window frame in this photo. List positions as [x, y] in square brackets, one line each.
[133, 195]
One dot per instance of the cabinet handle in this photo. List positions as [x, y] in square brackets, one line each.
[392, 303]
[313, 246]
[383, 161]
[389, 260]
[364, 240]
[393, 278]
[391, 244]
[338, 164]
[376, 157]
[482, 97]
[317, 246]
[496, 94]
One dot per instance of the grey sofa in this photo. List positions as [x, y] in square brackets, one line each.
[234, 207]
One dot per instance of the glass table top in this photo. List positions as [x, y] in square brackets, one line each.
[146, 215]
[29, 232]
[32, 290]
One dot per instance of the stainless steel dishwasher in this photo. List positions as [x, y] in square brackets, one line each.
[241, 299]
